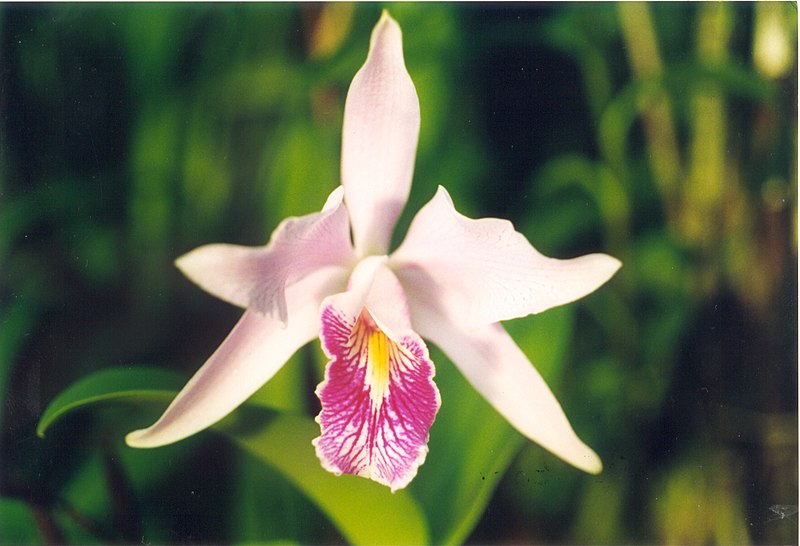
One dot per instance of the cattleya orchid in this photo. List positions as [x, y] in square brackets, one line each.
[451, 281]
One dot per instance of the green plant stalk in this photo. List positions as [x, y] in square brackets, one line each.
[662, 143]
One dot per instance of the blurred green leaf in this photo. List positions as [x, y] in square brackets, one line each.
[285, 391]
[111, 385]
[471, 447]
[733, 78]
[565, 207]
[154, 167]
[546, 339]
[538, 482]
[694, 503]
[17, 523]
[268, 508]
[303, 171]
[150, 32]
[16, 321]
[602, 506]
[206, 173]
[140, 474]
[258, 88]
[363, 511]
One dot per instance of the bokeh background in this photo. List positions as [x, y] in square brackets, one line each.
[662, 134]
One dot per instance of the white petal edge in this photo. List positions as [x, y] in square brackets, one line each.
[503, 375]
[257, 277]
[253, 352]
[379, 140]
[485, 271]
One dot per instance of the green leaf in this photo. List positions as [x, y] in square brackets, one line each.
[17, 319]
[268, 508]
[363, 511]
[471, 447]
[545, 340]
[132, 384]
[17, 523]
[298, 183]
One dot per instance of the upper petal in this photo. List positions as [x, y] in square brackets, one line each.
[379, 140]
[257, 277]
[251, 354]
[484, 271]
[500, 371]
[378, 397]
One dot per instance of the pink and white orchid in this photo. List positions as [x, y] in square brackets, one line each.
[451, 281]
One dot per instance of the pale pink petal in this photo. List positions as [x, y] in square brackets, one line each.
[378, 397]
[251, 354]
[498, 369]
[379, 140]
[484, 271]
[257, 277]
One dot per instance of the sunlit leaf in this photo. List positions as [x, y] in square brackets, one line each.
[363, 511]
[266, 507]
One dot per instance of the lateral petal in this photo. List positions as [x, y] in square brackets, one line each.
[252, 353]
[500, 371]
[379, 140]
[257, 277]
[378, 397]
[484, 271]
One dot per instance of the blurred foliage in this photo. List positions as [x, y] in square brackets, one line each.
[663, 134]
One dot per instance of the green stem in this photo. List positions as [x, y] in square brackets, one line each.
[641, 43]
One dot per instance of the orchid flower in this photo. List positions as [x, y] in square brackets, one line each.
[451, 281]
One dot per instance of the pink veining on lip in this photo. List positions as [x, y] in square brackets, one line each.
[378, 400]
